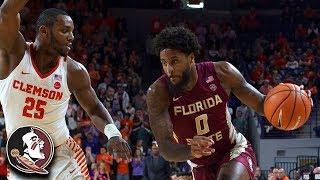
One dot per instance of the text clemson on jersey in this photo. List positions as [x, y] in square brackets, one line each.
[38, 91]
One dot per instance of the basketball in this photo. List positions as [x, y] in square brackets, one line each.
[287, 107]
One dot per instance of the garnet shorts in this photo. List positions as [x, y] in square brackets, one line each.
[210, 172]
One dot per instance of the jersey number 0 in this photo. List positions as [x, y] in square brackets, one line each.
[34, 108]
[202, 124]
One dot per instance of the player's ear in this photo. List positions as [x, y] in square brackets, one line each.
[43, 31]
[191, 58]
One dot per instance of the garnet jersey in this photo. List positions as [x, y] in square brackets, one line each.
[203, 111]
[31, 98]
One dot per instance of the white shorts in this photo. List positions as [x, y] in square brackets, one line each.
[69, 162]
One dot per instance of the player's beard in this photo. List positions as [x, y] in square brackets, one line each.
[176, 88]
[55, 45]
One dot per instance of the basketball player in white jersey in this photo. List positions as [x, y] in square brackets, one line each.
[36, 81]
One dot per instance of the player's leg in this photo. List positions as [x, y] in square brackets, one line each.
[233, 170]
[69, 163]
[203, 173]
[240, 167]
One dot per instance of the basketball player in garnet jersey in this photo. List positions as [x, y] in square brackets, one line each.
[189, 104]
[36, 80]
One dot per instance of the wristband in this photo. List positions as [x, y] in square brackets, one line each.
[110, 130]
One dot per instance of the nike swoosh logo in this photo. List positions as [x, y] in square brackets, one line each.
[176, 99]
[24, 72]
[72, 171]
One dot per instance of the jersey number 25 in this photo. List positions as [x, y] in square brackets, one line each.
[34, 108]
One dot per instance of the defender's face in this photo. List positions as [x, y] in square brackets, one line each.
[62, 35]
[175, 63]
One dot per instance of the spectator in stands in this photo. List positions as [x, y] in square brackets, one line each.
[286, 15]
[317, 131]
[309, 13]
[257, 173]
[122, 96]
[241, 120]
[90, 158]
[139, 146]
[144, 134]
[2, 120]
[127, 121]
[93, 142]
[300, 33]
[93, 170]
[139, 100]
[106, 158]
[280, 174]
[316, 170]
[109, 97]
[312, 31]
[101, 174]
[94, 75]
[266, 87]
[156, 167]
[130, 111]
[180, 170]
[3, 164]
[122, 168]
[125, 131]
[137, 165]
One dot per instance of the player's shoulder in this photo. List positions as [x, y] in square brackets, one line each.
[222, 67]
[158, 90]
[78, 77]
[74, 66]
[157, 87]
[219, 64]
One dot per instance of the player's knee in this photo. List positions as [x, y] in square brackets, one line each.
[225, 176]
[231, 174]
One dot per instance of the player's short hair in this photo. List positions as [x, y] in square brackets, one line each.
[178, 38]
[48, 17]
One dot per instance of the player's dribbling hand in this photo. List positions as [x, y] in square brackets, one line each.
[308, 93]
[118, 146]
[201, 146]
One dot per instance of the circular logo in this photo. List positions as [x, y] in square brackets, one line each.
[57, 85]
[30, 149]
[213, 87]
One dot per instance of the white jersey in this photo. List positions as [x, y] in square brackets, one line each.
[31, 98]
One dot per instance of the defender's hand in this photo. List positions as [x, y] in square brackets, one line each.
[201, 146]
[117, 145]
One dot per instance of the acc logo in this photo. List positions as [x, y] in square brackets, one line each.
[213, 87]
[30, 149]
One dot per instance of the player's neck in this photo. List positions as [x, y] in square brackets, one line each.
[193, 79]
[43, 59]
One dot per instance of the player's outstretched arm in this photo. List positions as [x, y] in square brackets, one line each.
[80, 85]
[245, 92]
[10, 23]
[157, 101]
